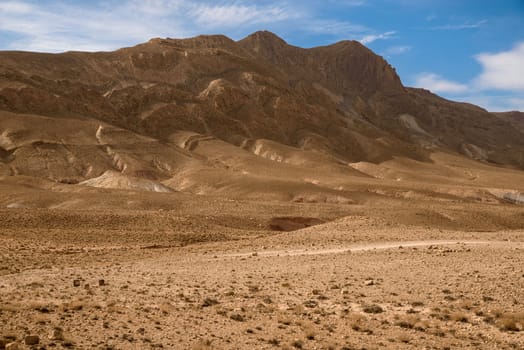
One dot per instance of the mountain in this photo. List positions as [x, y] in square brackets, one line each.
[251, 118]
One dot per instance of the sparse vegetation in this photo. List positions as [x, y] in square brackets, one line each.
[372, 309]
[459, 316]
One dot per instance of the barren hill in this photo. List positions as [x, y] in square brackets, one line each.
[255, 117]
[211, 194]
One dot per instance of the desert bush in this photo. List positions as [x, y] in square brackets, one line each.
[373, 309]
[511, 322]
[404, 338]
[459, 316]
[408, 321]
[358, 322]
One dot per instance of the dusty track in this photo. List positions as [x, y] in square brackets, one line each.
[361, 248]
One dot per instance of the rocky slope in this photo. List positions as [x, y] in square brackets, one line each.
[204, 113]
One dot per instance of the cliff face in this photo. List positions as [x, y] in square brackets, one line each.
[347, 67]
[341, 101]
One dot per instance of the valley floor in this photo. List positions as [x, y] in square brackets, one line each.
[217, 277]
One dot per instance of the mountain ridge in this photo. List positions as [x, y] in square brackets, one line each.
[340, 101]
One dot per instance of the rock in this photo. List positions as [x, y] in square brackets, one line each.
[12, 346]
[237, 317]
[101, 282]
[369, 283]
[209, 302]
[310, 303]
[2, 343]
[76, 283]
[57, 334]
[31, 340]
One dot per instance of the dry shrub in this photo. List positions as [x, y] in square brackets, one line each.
[298, 344]
[358, 322]
[285, 320]
[413, 322]
[10, 308]
[309, 330]
[441, 314]
[372, 309]
[459, 316]
[79, 304]
[202, 345]
[166, 308]
[465, 305]
[511, 322]
[404, 338]
[41, 319]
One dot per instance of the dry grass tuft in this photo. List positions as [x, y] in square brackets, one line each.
[459, 316]
[203, 345]
[413, 322]
[510, 322]
[358, 322]
[372, 309]
[404, 338]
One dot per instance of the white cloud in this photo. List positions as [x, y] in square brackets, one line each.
[431, 17]
[63, 27]
[498, 87]
[368, 39]
[494, 103]
[459, 26]
[15, 7]
[234, 15]
[436, 83]
[341, 29]
[58, 25]
[160, 8]
[397, 50]
[503, 70]
[102, 25]
[352, 3]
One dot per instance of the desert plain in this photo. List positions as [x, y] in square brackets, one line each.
[207, 193]
[177, 271]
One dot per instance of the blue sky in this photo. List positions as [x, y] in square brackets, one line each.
[466, 50]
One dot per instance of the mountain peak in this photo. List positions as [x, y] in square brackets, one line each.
[265, 36]
[264, 42]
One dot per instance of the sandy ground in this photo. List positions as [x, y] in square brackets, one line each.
[167, 279]
[207, 194]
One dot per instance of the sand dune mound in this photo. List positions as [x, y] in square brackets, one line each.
[115, 180]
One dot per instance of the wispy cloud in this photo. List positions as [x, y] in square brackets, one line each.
[337, 28]
[431, 17]
[234, 15]
[57, 25]
[351, 3]
[63, 27]
[397, 50]
[14, 7]
[108, 24]
[460, 26]
[368, 39]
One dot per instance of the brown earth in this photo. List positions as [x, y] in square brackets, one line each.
[252, 195]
